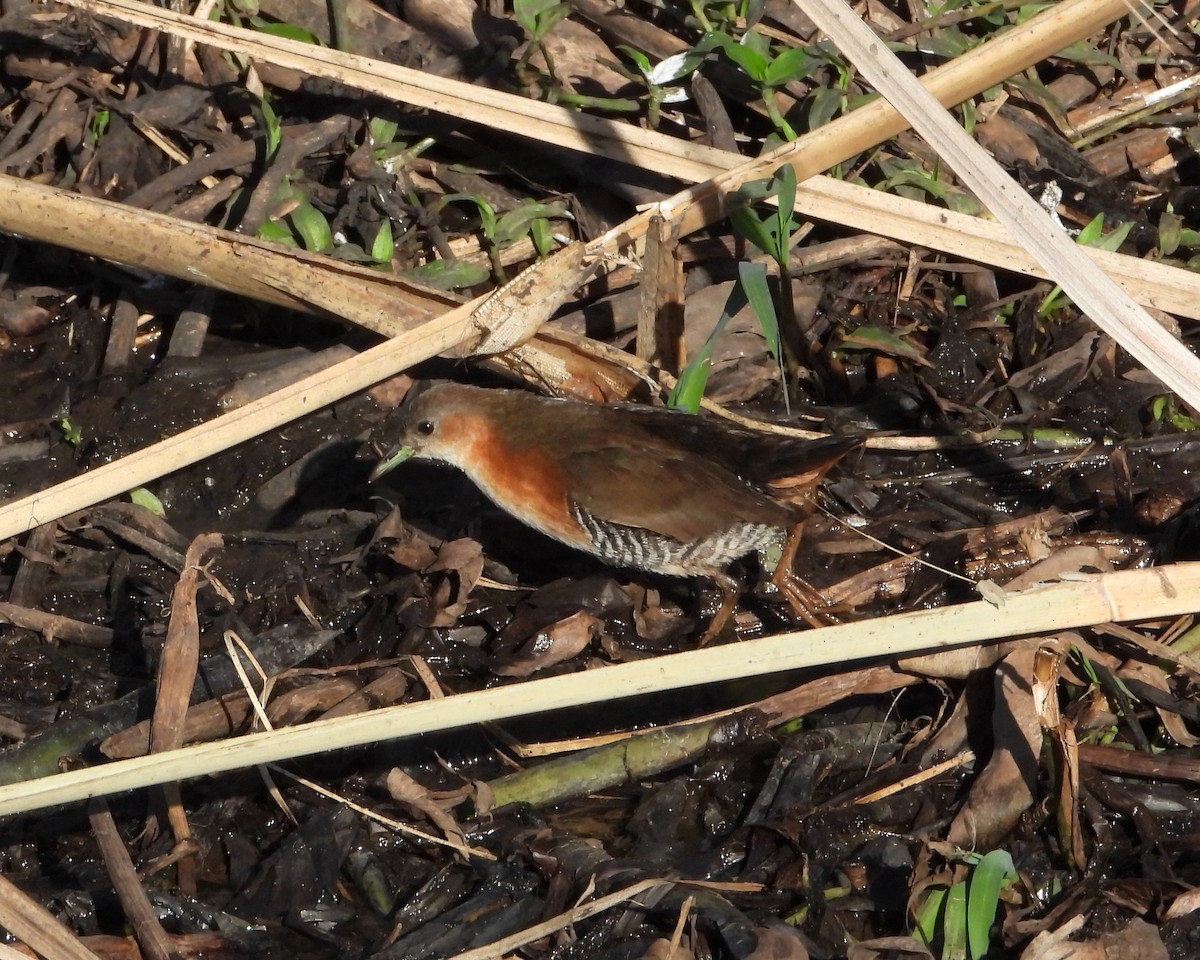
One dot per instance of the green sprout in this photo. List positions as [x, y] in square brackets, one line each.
[774, 234]
[960, 917]
[1165, 409]
[71, 432]
[384, 244]
[693, 378]
[98, 125]
[144, 498]
[661, 80]
[272, 128]
[529, 218]
[302, 225]
[1090, 236]
[1172, 234]
[910, 179]
[767, 71]
[246, 13]
[712, 15]
[537, 18]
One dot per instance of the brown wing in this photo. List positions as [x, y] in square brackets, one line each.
[669, 492]
[756, 455]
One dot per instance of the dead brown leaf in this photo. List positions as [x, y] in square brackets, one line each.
[555, 644]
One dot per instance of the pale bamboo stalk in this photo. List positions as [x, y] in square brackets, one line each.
[1126, 595]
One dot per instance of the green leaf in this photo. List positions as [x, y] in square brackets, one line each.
[713, 40]
[538, 17]
[883, 340]
[515, 223]
[487, 216]
[276, 232]
[528, 11]
[753, 277]
[383, 244]
[542, 237]
[961, 202]
[1089, 668]
[287, 31]
[823, 106]
[353, 253]
[312, 227]
[754, 190]
[448, 274]
[929, 917]
[1084, 53]
[1181, 421]
[382, 131]
[1114, 238]
[745, 221]
[954, 924]
[675, 67]
[1165, 409]
[994, 871]
[785, 223]
[548, 22]
[792, 64]
[71, 432]
[753, 62]
[693, 379]
[948, 43]
[642, 61]
[969, 115]
[271, 127]
[921, 179]
[757, 41]
[1090, 234]
[99, 123]
[144, 498]
[1029, 10]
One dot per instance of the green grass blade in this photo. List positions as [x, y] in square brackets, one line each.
[993, 872]
[753, 278]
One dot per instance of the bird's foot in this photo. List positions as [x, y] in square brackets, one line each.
[730, 591]
[804, 599]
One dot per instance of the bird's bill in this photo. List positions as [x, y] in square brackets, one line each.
[393, 459]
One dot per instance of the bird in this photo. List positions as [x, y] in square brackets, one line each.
[637, 487]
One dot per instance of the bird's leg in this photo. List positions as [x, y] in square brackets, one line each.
[730, 590]
[804, 600]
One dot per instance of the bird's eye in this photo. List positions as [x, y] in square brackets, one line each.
[425, 428]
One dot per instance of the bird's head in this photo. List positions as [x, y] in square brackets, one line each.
[439, 423]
